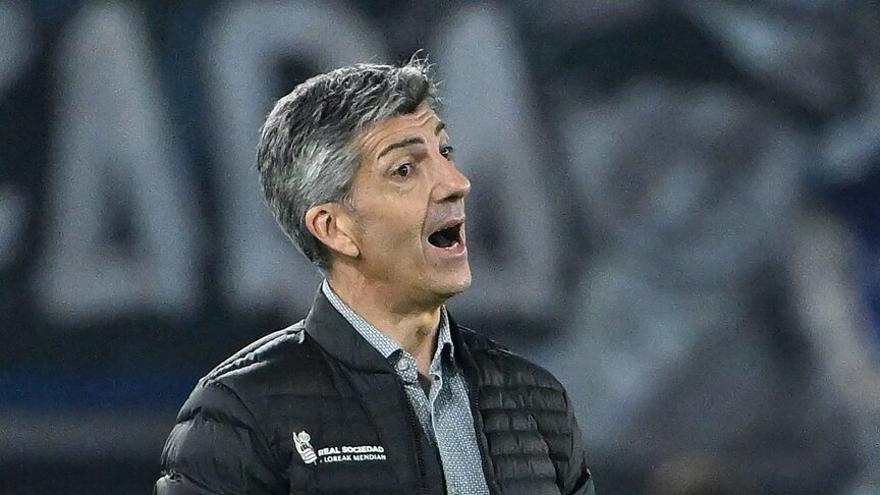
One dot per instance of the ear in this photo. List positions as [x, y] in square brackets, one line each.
[331, 224]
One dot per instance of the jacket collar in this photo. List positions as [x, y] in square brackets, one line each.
[336, 335]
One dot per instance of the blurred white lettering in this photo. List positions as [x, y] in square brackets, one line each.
[16, 38]
[244, 49]
[114, 160]
[511, 226]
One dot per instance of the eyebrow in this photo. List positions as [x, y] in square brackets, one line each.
[410, 141]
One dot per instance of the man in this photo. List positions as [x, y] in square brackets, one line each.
[378, 390]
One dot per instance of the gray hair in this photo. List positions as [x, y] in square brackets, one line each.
[308, 154]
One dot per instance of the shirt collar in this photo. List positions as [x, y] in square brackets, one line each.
[444, 335]
[386, 346]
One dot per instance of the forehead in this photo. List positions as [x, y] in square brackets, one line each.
[422, 120]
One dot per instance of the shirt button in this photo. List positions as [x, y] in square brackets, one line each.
[402, 365]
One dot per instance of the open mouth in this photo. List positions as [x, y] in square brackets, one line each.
[447, 237]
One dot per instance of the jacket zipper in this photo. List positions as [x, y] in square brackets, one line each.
[416, 429]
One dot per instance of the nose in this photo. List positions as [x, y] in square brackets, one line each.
[454, 185]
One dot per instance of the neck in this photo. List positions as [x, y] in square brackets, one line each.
[411, 324]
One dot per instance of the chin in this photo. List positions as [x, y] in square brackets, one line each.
[456, 285]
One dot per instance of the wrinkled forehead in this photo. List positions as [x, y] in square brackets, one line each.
[410, 125]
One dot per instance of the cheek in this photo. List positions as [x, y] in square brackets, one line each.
[391, 226]
[393, 234]
[399, 238]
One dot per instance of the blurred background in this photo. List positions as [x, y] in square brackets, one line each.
[676, 208]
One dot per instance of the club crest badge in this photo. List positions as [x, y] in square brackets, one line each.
[304, 448]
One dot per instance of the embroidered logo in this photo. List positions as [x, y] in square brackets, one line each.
[342, 453]
[304, 448]
[351, 453]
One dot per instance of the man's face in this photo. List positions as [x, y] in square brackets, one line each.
[408, 206]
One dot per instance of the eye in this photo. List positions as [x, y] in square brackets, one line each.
[447, 151]
[403, 170]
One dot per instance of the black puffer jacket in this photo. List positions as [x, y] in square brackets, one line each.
[235, 433]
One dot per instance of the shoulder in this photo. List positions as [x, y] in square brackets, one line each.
[499, 366]
[222, 437]
[284, 362]
[286, 345]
